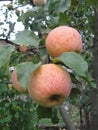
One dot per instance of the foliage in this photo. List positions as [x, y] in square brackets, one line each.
[25, 50]
[15, 111]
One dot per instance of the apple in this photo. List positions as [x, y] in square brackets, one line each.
[10, 6]
[17, 12]
[63, 39]
[16, 83]
[39, 2]
[49, 85]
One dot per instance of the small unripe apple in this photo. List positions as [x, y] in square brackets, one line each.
[39, 2]
[16, 83]
[17, 12]
[49, 85]
[63, 39]
[10, 6]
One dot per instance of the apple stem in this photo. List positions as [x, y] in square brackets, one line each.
[66, 118]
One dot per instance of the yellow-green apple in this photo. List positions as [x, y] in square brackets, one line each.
[63, 39]
[39, 2]
[16, 83]
[49, 85]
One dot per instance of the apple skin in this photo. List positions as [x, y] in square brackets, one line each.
[49, 85]
[39, 2]
[16, 83]
[63, 39]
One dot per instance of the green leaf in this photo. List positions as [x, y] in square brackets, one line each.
[63, 18]
[74, 95]
[64, 5]
[3, 88]
[57, 6]
[29, 13]
[26, 37]
[5, 53]
[90, 80]
[23, 71]
[55, 117]
[6, 120]
[48, 113]
[36, 58]
[44, 112]
[93, 3]
[1, 23]
[76, 62]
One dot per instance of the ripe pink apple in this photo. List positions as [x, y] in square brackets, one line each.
[16, 83]
[63, 39]
[39, 2]
[49, 85]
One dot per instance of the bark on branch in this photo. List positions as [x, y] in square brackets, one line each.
[65, 116]
[94, 94]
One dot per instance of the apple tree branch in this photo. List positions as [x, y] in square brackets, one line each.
[69, 125]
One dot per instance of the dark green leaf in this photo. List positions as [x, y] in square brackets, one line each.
[24, 70]
[44, 112]
[3, 88]
[29, 13]
[55, 118]
[36, 58]
[1, 23]
[74, 95]
[90, 80]
[64, 5]
[74, 78]
[93, 3]
[63, 18]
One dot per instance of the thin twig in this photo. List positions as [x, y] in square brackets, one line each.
[11, 26]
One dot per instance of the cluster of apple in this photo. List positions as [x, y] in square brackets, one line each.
[50, 84]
